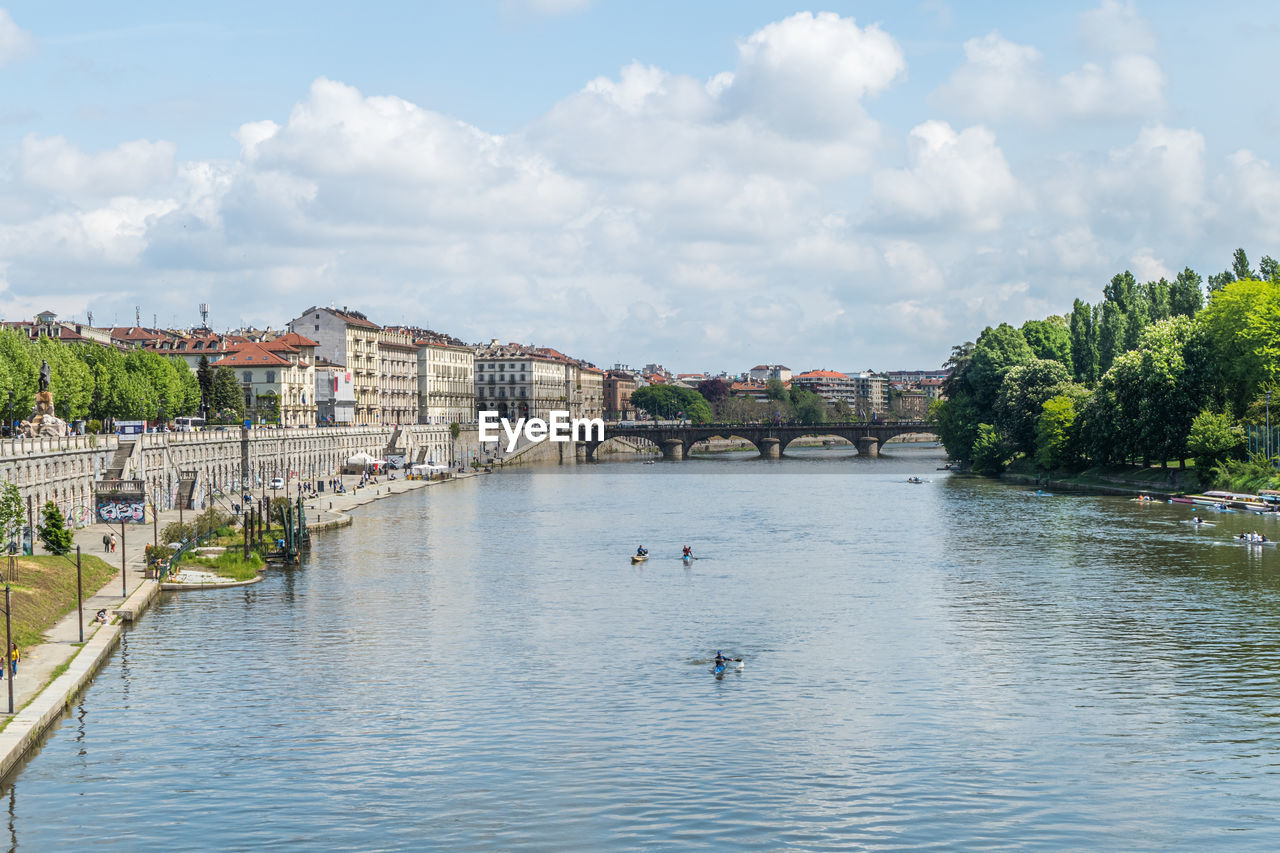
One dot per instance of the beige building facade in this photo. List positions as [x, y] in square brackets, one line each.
[446, 383]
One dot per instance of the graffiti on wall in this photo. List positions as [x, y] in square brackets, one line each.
[119, 510]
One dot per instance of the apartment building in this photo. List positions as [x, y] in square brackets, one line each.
[350, 340]
[446, 382]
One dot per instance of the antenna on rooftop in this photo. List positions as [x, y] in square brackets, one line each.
[137, 315]
[204, 314]
[89, 317]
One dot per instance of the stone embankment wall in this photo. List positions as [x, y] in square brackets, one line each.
[64, 469]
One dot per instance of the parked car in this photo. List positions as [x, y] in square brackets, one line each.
[277, 483]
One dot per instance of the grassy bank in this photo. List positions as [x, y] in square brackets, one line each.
[44, 590]
[230, 564]
[1111, 477]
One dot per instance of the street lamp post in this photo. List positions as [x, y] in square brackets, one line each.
[1268, 441]
[8, 642]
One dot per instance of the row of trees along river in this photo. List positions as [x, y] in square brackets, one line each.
[1153, 374]
[97, 383]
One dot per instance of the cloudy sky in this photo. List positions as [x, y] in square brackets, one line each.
[708, 185]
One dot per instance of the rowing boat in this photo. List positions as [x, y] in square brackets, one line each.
[638, 558]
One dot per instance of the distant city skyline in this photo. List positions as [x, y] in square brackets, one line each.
[709, 187]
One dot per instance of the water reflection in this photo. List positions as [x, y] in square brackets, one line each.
[955, 664]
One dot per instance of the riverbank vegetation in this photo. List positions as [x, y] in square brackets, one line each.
[44, 590]
[1153, 374]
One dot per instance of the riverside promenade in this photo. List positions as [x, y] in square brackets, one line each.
[52, 673]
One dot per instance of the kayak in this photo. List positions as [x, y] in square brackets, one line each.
[1199, 523]
[1269, 542]
[719, 669]
[638, 558]
[687, 560]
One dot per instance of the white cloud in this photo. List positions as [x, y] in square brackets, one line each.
[16, 43]
[1002, 79]
[957, 178]
[1147, 267]
[54, 164]
[1116, 29]
[810, 72]
[549, 7]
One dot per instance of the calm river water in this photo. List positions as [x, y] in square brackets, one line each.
[953, 665]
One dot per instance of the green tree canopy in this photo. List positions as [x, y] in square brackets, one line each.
[672, 401]
[1242, 324]
[1049, 339]
[1021, 400]
[52, 530]
[996, 352]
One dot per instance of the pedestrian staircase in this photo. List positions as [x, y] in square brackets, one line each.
[120, 461]
[187, 489]
[393, 442]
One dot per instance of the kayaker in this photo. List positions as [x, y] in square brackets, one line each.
[641, 551]
[688, 552]
[1195, 519]
[721, 660]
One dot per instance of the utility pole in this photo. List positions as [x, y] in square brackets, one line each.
[124, 576]
[31, 527]
[8, 641]
[79, 594]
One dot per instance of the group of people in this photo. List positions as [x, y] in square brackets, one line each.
[687, 554]
[1254, 537]
[109, 542]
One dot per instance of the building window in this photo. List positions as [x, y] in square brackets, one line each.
[271, 376]
[248, 377]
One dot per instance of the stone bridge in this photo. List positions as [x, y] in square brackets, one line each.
[676, 440]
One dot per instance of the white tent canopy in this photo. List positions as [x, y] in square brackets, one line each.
[362, 459]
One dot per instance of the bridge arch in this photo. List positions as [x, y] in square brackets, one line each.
[642, 444]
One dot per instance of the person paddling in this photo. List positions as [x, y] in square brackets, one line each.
[641, 551]
[688, 552]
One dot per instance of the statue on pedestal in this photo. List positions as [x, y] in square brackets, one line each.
[43, 421]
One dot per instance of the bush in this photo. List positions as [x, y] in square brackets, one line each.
[93, 427]
[211, 520]
[177, 532]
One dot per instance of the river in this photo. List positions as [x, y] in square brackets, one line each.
[958, 664]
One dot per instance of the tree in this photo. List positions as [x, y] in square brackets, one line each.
[1158, 389]
[957, 366]
[1021, 400]
[775, 390]
[996, 352]
[809, 407]
[228, 398]
[713, 390]
[1111, 335]
[1219, 281]
[672, 401]
[955, 420]
[1240, 266]
[1157, 295]
[1269, 269]
[1058, 441]
[1185, 296]
[1120, 290]
[1049, 339]
[1242, 325]
[1084, 344]
[53, 532]
[989, 451]
[204, 378]
[12, 512]
[454, 432]
[1214, 437]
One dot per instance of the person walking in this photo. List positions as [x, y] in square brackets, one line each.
[106, 542]
[113, 542]
[14, 655]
